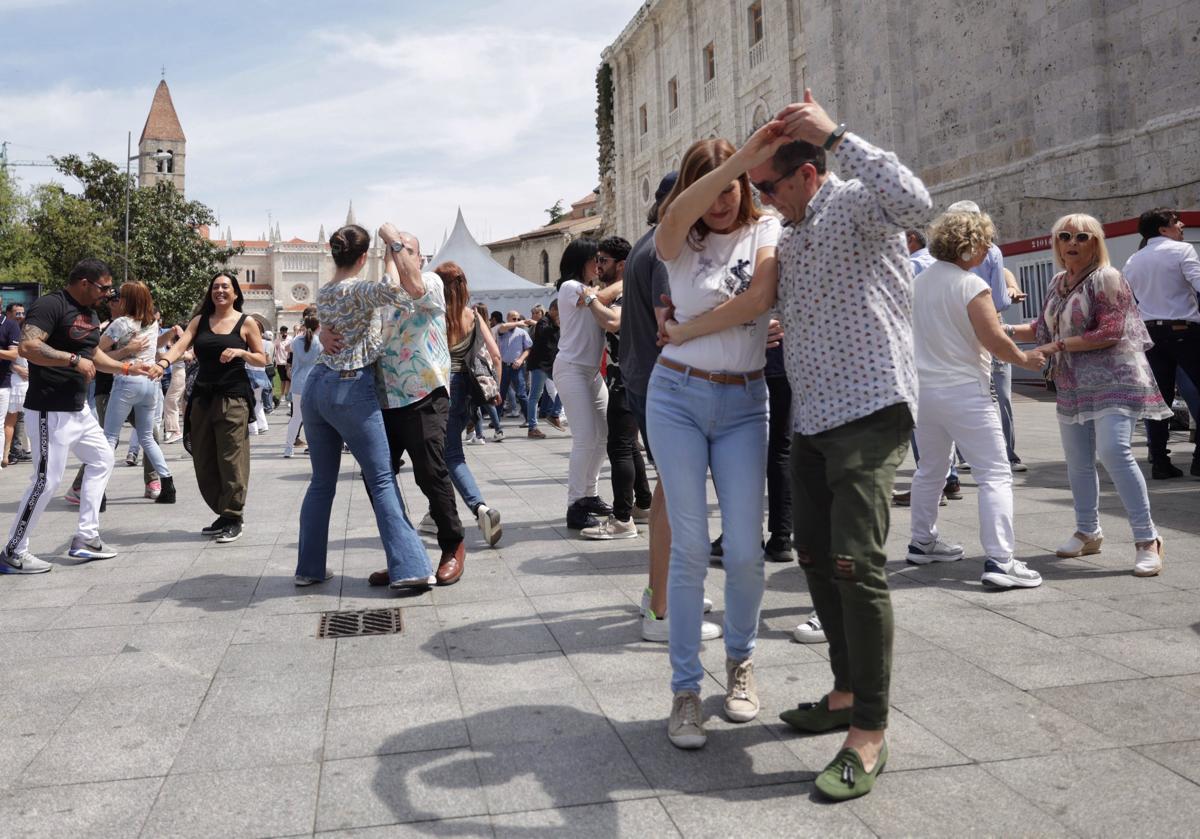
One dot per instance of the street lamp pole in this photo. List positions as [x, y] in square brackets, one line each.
[129, 158]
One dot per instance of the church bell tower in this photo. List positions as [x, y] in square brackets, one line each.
[162, 133]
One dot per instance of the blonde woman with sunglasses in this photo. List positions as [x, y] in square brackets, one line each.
[1096, 342]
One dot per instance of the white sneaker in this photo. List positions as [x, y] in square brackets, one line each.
[611, 528]
[90, 550]
[289, 450]
[685, 728]
[1148, 561]
[658, 629]
[810, 632]
[1080, 544]
[1011, 574]
[428, 526]
[476, 441]
[498, 436]
[302, 581]
[413, 582]
[641, 513]
[741, 694]
[173, 438]
[923, 553]
[489, 523]
[22, 563]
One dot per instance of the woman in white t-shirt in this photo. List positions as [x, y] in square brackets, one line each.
[955, 332]
[137, 393]
[580, 385]
[706, 408]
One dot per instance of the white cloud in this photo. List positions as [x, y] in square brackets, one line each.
[498, 120]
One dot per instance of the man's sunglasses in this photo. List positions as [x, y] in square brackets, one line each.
[1081, 238]
[769, 187]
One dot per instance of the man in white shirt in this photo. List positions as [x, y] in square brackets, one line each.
[1165, 277]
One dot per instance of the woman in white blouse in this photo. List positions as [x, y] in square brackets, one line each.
[706, 408]
[956, 331]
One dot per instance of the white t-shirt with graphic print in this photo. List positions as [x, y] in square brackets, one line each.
[704, 279]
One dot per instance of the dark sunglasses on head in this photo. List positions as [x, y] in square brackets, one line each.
[769, 187]
[1081, 237]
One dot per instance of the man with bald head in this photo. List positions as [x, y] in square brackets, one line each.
[515, 345]
[413, 374]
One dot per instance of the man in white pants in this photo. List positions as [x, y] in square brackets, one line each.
[60, 338]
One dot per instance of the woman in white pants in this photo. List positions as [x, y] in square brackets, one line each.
[580, 385]
[955, 332]
[305, 349]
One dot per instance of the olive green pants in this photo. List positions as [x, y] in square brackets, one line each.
[841, 499]
[220, 429]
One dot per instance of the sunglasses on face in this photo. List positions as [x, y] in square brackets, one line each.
[109, 292]
[1081, 238]
[769, 187]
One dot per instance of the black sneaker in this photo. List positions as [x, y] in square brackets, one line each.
[595, 505]
[779, 549]
[716, 551]
[578, 518]
[1164, 469]
[231, 533]
[219, 524]
[1196, 467]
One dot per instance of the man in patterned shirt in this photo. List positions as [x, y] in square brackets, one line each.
[845, 294]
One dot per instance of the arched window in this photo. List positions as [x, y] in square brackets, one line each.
[160, 165]
[545, 261]
[170, 161]
[760, 117]
[512, 264]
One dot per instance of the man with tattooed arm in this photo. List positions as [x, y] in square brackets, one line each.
[60, 339]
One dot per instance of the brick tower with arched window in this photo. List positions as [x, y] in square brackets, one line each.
[162, 133]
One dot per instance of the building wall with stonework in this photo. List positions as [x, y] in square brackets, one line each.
[1032, 109]
[535, 255]
[754, 73]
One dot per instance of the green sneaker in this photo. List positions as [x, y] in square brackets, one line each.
[815, 717]
[845, 778]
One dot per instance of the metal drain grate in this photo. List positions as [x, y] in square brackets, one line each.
[359, 622]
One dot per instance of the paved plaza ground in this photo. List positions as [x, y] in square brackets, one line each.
[180, 689]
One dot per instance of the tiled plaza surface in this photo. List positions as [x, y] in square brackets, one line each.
[180, 689]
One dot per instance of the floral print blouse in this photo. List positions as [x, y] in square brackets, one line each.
[415, 360]
[351, 308]
[1096, 383]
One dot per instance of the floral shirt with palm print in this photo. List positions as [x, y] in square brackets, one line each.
[415, 360]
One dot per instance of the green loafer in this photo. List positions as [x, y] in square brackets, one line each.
[815, 717]
[845, 778]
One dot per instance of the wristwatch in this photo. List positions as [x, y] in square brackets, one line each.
[834, 136]
[398, 246]
[73, 361]
[589, 300]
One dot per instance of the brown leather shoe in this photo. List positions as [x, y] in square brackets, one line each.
[537, 434]
[450, 567]
[378, 578]
[557, 423]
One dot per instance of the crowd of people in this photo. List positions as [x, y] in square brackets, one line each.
[785, 329]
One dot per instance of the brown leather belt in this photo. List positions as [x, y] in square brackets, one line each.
[1177, 325]
[716, 378]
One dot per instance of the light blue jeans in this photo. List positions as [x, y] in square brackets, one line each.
[1106, 438]
[537, 382]
[695, 426]
[342, 406]
[141, 396]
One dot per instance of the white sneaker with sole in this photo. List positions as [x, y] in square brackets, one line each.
[641, 513]
[489, 522]
[1080, 544]
[685, 728]
[1011, 574]
[923, 553]
[741, 694]
[302, 581]
[646, 592]
[23, 563]
[810, 632]
[413, 582]
[658, 629]
[90, 550]
[611, 528]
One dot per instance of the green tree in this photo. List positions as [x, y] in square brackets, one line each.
[556, 212]
[20, 260]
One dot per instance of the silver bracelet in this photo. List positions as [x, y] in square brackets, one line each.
[1009, 329]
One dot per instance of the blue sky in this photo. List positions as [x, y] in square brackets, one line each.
[410, 109]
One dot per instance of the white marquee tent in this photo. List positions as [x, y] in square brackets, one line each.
[490, 282]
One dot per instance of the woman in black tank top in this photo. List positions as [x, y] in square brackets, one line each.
[216, 421]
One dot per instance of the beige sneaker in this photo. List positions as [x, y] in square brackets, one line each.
[1080, 544]
[611, 528]
[685, 729]
[741, 695]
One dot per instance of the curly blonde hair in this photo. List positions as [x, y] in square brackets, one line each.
[955, 236]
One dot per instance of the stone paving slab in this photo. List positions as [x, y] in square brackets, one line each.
[180, 689]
